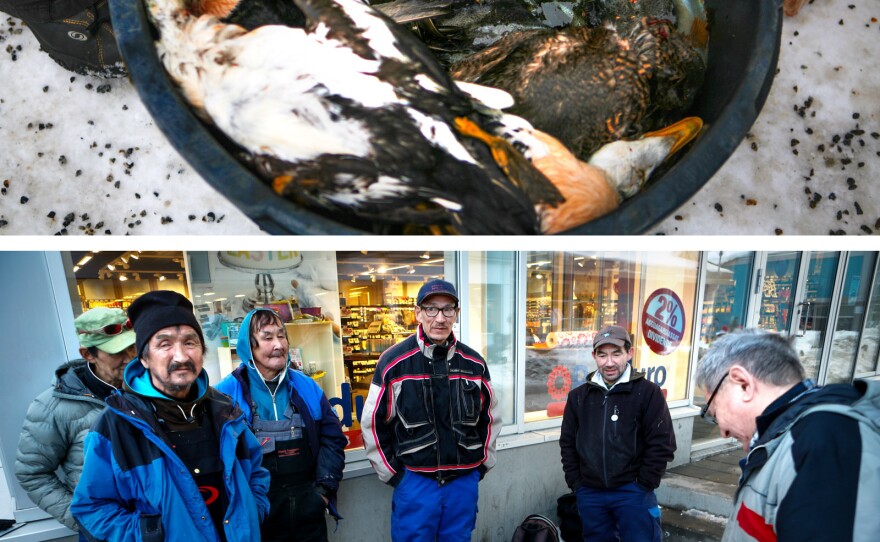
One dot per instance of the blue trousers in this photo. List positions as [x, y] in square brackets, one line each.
[624, 514]
[422, 510]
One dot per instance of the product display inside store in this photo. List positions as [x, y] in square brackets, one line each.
[115, 279]
[377, 292]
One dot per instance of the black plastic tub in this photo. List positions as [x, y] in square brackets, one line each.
[743, 51]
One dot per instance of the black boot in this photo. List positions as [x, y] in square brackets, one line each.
[83, 43]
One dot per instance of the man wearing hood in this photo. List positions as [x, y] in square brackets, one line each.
[302, 440]
[170, 455]
[59, 418]
[430, 422]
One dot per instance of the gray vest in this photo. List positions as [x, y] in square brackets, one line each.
[768, 487]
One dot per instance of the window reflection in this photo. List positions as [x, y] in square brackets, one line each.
[571, 295]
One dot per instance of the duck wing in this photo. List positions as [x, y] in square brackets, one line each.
[482, 64]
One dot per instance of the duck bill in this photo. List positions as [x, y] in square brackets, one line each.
[683, 132]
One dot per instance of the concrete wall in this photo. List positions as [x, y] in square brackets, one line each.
[526, 480]
[684, 431]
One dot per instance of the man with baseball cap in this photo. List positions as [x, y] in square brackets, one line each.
[170, 456]
[430, 422]
[616, 440]
[59, 418]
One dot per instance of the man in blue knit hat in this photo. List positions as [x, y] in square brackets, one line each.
[302, 440]
[170, 456]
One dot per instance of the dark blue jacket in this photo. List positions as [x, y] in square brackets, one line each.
[133, 482]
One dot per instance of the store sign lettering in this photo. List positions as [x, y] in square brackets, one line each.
[345, 403]
[663, 321]
[260, 256]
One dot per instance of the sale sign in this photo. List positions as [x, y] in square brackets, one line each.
[663, 321]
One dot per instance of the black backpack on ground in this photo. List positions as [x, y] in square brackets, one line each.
[569, 518]
[537, 528]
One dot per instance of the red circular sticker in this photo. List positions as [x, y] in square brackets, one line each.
[559, 383]
[663, 321]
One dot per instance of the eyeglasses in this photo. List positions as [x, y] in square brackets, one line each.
[448, 311]
[112, 329]
[705, 412]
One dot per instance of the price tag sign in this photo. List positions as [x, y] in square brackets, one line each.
[663, 321]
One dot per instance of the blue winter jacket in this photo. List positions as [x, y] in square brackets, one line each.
[326, 441]
[134, 487]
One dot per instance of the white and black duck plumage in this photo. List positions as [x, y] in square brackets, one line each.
[352, 115]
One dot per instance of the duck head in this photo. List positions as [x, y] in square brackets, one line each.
[628, 164]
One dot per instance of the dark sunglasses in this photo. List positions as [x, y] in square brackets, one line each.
[704, 413]
[112, 329]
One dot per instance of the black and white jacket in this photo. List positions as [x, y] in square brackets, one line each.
[431, 409]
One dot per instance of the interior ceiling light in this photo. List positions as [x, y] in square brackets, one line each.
[84, 260]
[426, 255]
[410, 270]
[373, 278]
[124, 257]
[111, 267]
[123, 277]
[134, 254]
[382, 268]
[161, 278]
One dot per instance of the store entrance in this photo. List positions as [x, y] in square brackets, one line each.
[785, 292]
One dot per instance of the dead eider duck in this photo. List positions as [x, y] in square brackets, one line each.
[351, 115]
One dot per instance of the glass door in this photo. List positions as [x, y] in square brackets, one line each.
[854, 298]
[795, 298]
[813, 309]
[777, 282]
[726, 292]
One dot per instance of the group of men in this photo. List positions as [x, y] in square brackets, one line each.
[148, 450]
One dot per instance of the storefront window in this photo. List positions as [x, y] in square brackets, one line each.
[115, 279]
[377, 296]
[725, 306]
[870, 344]
[491, 310]
[815, 309]
[299, 286]
[850, 317]
[571, 295]
[777, 291]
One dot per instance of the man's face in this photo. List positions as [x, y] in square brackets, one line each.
[270, 354]
[174, 359]
[611, 361]
[439, 327]
[733, 417]
[109, 367]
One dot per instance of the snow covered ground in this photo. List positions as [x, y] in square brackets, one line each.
[81, 155]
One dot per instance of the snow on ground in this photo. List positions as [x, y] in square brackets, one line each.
[705, 516]
[81, 155]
